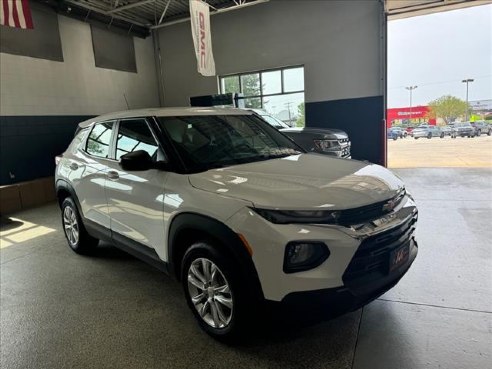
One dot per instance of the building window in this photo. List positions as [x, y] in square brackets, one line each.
[280, 92]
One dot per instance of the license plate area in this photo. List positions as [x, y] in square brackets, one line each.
[399, 257]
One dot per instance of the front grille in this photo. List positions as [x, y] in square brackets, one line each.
[372, 256]
[367, 213]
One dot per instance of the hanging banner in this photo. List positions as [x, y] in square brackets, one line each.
[202, 38]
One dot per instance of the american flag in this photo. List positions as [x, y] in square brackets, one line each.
[15, 13]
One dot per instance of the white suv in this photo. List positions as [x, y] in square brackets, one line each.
[236, 211]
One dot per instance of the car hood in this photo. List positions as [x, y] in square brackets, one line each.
[305, 181]
[321, 132]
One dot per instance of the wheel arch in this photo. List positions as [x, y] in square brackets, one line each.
[189, 227]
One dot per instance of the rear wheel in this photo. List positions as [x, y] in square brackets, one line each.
[77, 237]
[429, 136]
[489, 132]
[216, 293]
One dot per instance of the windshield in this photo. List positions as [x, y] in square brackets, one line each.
[215, 141]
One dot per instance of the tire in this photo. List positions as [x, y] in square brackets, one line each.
[429, 136]
[416, 138]
[442, 135]
[77, 237]
[227, 312]
[479, 132]
[489, 132]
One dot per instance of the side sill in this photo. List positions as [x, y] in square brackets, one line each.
[134, 248]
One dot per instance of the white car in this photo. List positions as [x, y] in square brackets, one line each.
[237, 212]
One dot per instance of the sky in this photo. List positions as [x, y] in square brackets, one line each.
[436, 52]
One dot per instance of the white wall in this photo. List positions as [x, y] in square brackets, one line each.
[339, 42]
[31, 86]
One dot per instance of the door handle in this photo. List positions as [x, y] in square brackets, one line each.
[113, 175]
[74, 166]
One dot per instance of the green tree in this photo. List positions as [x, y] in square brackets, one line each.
[448, 108]
[301, 118]
[250, 87]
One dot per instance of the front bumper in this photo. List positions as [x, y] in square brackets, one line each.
[346, 265]
[331, 302]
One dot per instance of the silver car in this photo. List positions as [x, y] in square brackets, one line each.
[427, 131]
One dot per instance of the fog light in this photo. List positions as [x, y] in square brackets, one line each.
[302, 255]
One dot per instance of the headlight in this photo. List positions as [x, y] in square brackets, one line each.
[304, 255]
[326, 144]
[298, 216]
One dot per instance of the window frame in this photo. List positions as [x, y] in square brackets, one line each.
[261, 96]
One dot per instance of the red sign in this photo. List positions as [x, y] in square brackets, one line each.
[417, 114]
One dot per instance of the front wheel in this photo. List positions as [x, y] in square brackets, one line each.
[429, 136]
[489, 132]
[442, 135]
[78, 239]
[215, 292]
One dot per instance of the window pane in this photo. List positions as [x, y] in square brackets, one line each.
[99, 140]
[271, 82]
[134, 135]
[288, 108]
[294, 79]
[252, 103]
[229, 84]
[250, 84]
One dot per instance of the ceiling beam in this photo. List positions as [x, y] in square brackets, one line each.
[130, 6]
[213, 12]
[138, 22]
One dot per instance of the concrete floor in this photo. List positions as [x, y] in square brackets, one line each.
[61, 310]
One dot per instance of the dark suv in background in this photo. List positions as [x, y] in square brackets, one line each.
[481, 127]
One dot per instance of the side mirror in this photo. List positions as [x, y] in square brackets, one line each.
[136, 161]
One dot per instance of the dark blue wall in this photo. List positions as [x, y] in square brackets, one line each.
[29, 144]
[362, 118]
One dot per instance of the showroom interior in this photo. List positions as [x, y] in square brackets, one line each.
[82, 59]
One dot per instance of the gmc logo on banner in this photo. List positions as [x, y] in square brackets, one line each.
[201, 22]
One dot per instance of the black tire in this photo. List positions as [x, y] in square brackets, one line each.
[82, 243]
[245, 303]
[489, 132]
[442, 135]
[416, 138]
[479, 132]
[429, 136]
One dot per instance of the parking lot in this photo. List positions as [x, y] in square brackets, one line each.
[440, 152]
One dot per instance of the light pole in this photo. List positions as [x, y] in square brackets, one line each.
[410, 89]
[467, 81]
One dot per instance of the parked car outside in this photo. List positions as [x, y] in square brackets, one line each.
[397, 132]
[464, 129]
[427, 131]
[481, 127]
[237, 212]
[328, 141]
[447, 130]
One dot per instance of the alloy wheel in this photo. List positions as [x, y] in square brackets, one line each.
[210, 293]
[71, 225]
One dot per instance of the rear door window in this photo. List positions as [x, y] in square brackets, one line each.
[99, 140]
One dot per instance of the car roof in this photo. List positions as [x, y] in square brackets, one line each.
[165, 112]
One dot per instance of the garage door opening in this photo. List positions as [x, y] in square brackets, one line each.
[440, 89]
